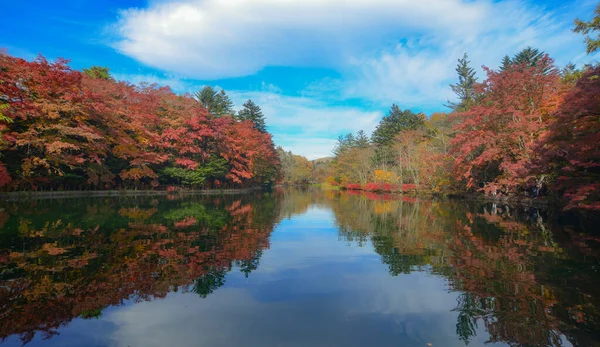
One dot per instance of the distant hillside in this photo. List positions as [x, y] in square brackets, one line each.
[325, 160]
[321, 168]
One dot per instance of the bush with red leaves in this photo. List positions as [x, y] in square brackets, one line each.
[380, 187]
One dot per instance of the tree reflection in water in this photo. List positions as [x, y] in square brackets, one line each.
[528, 281]
[73, 258]
[526, 278]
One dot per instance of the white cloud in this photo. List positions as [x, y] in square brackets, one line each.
[403, 76]
[400, 51]
[417, 72]
[327, 293]
[385, 51]
[226, 38]
[307, 126]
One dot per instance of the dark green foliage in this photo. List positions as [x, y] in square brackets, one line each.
[100, 72]
[384, 155]
[528, 57]
[223, 105]
[361, 139]
[247, 266]
[185, 176]
[506, 63]
[217, 103]
[207, 284]
[252, 112]
[590, 27]
[345, 142]
[214, 169]
[464, 89]
[395, 122]
[206, 97]
[389, 127]
[468, 311]
[91, 314]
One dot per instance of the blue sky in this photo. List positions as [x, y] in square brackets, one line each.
[318, 68]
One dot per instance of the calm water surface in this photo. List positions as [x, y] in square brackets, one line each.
[294, 268]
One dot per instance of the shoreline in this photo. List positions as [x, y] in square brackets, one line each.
[35, 195]
[540, 202]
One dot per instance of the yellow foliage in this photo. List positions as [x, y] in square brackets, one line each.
[384, 176]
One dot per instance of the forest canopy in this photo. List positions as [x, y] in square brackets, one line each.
[528, 129]
[66, 129]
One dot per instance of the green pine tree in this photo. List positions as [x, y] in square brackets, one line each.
[345, 142]
[587, 28]
[361, 140]
[223, 105]
[206, 97]
[528, 56]
[531, 57]
[252, 112]
[506, 63]
[395, 122]
[464, 89]
[217, 103]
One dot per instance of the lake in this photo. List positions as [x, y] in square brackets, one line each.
[294, 267]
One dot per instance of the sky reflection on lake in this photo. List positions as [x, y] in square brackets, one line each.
[335, 270]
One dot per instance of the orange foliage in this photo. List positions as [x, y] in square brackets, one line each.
[65, 129]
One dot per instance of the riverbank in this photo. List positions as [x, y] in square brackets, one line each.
[411, 191]
[12, 196]
[540, 202]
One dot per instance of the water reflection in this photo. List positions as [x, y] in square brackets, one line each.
[529, 282]
[73, 258]
[454, 273]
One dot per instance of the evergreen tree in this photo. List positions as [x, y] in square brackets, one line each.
[223, 105]
[585, 28]
[218, 104]
[464, 89]
[528, 56]
[206, 97]
[252, 112]
[350, 141]
[345, 142]
[506, 63]
[395, 122]
[361, 139]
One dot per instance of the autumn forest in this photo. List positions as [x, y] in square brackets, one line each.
[300, 173]
[66, 129]
[528, 128]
